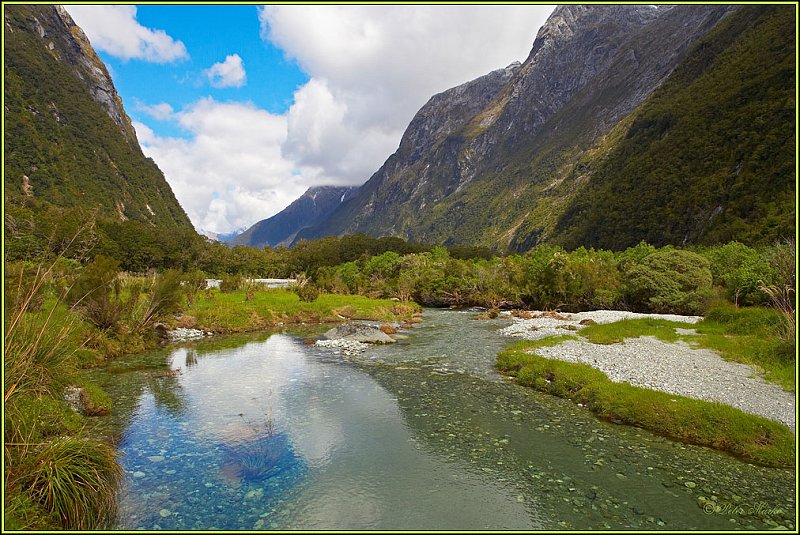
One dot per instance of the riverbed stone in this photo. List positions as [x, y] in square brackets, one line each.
[358, 332]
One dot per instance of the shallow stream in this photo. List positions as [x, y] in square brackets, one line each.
[265, 432]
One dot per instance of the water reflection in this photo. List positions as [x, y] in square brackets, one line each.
[267, 433]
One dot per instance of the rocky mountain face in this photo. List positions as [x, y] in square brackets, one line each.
[69, 142]
[310, 209]
[502, 161]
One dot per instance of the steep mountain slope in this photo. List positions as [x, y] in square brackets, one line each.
[710, 157]
[309, 209]
[515, 155]
[68, 140]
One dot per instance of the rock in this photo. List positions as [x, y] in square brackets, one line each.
[357, 332]
[156, 458]
[690, 484]
[388, 329]
[73, 397]
[138, 474]
[164, 513]
[587, 321]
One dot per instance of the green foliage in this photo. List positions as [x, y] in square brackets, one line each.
[96, 292]
[164, 297]
[694, 421]
[74, 480]
[707, 158]
[62, 148]
[670, 281]
[740, 270]
[231, 284]
[307, 293]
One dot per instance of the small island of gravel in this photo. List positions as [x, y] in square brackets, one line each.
[675, 368]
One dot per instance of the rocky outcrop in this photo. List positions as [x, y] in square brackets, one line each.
[67, 42]
[358, 332]
[311, 208]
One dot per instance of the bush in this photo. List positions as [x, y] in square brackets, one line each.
[670, 281]
[307, 292]
[231, 283]
[740, 269]
[165, 297]
[96, 293]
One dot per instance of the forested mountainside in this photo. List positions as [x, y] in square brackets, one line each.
[68, 141]
[671, 124]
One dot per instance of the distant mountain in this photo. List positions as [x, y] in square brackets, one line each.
[625, 123]
[224, 237]
[68, 140]
[309, 209]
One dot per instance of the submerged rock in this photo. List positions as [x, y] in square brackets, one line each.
[357, 332]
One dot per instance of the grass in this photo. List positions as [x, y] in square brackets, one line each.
[75, 481]
[231, 312]
[749, 335]
[715, 425]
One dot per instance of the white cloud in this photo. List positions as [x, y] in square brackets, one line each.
[373, 67]
[370, 67]
[231, 172]
[229, 73]
[114, 29]
[161, 112]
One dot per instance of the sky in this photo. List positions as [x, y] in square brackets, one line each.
[244, 107]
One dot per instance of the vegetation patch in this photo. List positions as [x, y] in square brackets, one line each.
[233, 312]
[749, 335]
[715, 425]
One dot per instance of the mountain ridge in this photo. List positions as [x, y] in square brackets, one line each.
[511, 162]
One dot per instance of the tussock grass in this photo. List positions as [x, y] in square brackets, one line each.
[75, 481]
[715, 425]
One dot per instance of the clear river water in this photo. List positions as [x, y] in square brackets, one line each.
[266, 432]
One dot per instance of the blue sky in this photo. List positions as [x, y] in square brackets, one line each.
[271, 78]
[244, 107]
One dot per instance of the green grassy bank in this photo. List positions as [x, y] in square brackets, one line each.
[734, 333]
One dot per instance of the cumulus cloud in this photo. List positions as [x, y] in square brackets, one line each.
[231, 172]
[373, 67]
[370, 69]
[229, 73]
[160, 112]
[114, 29]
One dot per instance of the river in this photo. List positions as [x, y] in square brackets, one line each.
[265, 432]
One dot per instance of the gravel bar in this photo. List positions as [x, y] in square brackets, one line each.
[675, 368]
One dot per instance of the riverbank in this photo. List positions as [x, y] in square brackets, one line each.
[225, 313]
[47, 347]
[646, 371]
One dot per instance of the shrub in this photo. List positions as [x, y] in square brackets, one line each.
[231, 283]
[96, 293]
[165, 297]
[308, 292]
[670, 281]
[739, 269]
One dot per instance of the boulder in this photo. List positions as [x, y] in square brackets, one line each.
[357, 332]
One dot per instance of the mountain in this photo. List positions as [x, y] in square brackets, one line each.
[224, 238]
[568, 146]
[309, 209]
[68, 140]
